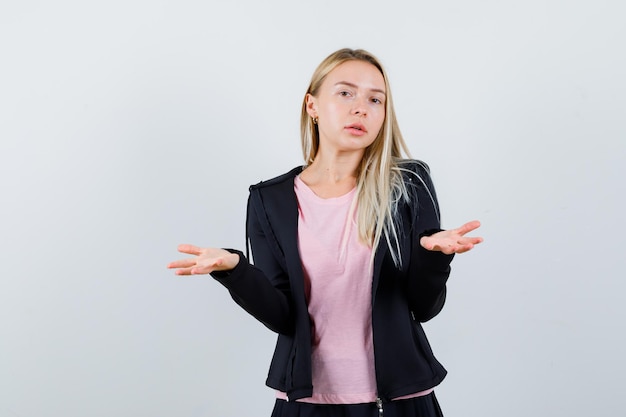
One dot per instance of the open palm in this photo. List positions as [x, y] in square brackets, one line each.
[452, 241]
[205, 261]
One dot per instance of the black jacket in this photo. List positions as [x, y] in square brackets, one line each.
[272, 290]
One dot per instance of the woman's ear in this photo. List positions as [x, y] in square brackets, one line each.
[311, 105]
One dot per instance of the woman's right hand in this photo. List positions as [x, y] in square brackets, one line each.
[205, 261]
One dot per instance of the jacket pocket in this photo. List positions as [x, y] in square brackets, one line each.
[291, 364]
[421, 342]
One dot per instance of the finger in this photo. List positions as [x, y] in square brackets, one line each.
[427, 243]
[468, 227]
[190, 249]
[183, 263]
[447, 249]
[207, 266]
[184, 271]
[464, 248]
[474, 240]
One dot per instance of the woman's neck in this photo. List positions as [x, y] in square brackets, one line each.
[332, 175]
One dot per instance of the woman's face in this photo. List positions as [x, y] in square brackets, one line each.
[350, 106]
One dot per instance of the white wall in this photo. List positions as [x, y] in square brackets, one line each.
[127, 127]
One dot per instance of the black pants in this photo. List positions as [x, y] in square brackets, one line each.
[425, 406]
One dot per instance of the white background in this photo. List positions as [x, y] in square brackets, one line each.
[128, 127]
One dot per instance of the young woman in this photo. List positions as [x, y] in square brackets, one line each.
[349, 257]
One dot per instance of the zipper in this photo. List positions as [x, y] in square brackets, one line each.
[379, 404]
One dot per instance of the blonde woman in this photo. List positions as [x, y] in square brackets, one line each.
[349, 257]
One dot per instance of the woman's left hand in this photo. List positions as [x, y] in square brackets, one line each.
[452, 241]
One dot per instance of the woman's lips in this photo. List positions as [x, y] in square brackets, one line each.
[356, 129]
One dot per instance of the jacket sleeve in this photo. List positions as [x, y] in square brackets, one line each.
[428, 270]
[262, 289]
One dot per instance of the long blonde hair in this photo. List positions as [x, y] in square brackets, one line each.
[379, 177]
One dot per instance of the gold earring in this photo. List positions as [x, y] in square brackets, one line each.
[315, 119]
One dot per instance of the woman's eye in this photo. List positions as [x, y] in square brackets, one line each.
[344, 93]
[377, 100]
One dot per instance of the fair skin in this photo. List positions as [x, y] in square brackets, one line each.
[350, 108]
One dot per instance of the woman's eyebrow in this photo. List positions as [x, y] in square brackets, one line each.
[349, 84]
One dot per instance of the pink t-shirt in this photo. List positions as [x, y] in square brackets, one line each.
[338, 286]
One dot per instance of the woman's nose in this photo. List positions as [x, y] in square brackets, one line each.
[359, 107]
